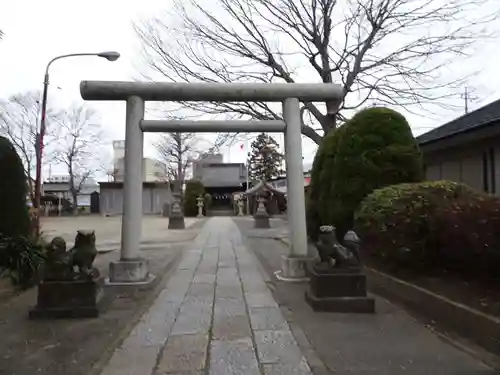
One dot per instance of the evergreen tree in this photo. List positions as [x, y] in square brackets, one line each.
[14, 214]
[265, 161]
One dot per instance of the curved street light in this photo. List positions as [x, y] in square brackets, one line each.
[108, 55]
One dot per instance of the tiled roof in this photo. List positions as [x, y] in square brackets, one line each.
[471, 121]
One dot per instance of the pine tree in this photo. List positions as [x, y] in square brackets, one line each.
[265, 161]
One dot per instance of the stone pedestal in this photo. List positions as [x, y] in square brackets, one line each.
[128, 272]
[176, 220]
[166, 210]
[261, 216]
[293, 268]
[68, 299]
[344, 291]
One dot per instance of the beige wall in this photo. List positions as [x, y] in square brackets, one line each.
[466, 164]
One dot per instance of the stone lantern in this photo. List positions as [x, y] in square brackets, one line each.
[241, 205]
[261, 216]
[199, 203]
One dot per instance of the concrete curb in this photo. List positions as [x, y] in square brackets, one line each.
[480, 328]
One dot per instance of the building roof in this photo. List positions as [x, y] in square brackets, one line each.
[471, 121]
[221, 184]
[263, 186]
[119, 184]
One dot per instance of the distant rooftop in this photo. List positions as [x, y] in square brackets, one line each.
[471, 121]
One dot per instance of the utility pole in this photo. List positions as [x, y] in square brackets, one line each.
[467, 97]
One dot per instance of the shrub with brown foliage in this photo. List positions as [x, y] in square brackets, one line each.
[434, 224]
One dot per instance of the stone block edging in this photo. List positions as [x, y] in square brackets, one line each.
[474, 325]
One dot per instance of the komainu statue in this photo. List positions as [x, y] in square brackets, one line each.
[333, 255]
[60, 264]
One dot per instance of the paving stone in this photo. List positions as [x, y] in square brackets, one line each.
[154, 327]
[277, 347]
[233, 357]
[183, 353]
[132, 361]
[204, 278]
[260, 299]
[229, 306]
[207, 269]
[191, 322]
[229, 291]
[267, 318]
[172, 295]
[188, 264]
[227, 272]
[198, 302]
[227, 264]
[255, 288]
[231, 327]
[201, 290]
[286, 369]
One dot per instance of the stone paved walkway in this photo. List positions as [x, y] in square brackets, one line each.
[215, 313]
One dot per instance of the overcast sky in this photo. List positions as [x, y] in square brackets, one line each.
[36, 31]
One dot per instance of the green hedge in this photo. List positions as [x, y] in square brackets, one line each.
[376, 149]
[14, 213]
[438, 224]
[321, 182]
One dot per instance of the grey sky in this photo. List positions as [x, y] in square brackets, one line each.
[36, 31]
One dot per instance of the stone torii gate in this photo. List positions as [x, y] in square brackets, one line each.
[132, 268]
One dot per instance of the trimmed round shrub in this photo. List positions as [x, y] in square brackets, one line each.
[194, 189]
[321, 181]
[428, 225]
[14, 213]
[377, 149]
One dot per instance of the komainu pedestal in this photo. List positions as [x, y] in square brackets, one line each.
[340, 291]
[336, 282]
[68, 299]
[70, 286]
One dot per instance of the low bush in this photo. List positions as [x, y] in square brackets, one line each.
[430, 225]
[20, 259]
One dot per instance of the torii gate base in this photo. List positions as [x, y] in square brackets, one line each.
[132, 269]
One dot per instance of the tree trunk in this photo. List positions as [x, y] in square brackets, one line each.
[180, 176]
[75, 201]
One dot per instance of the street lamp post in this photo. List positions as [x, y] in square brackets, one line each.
[108, 55]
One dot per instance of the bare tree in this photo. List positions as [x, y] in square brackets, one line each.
[78, 145]
[177, 150]
[392, 52]
[19, 123]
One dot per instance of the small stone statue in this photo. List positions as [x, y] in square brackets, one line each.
[353, 243]
[333, 255]
[82, 255]
[60, 264]
[56, 267]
